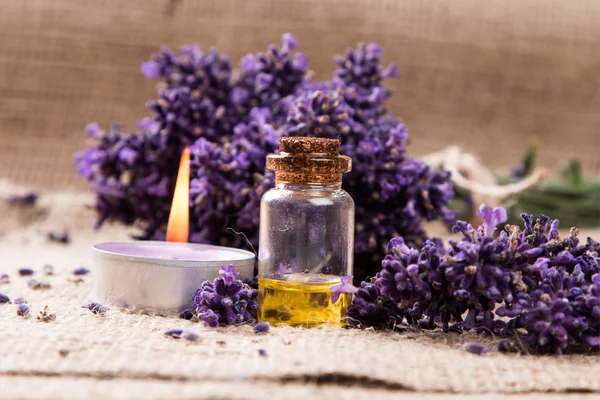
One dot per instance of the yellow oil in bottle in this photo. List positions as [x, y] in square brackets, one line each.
[301, 300]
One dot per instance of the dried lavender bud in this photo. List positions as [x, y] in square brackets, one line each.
[4, 278]
[64, 352]
[97, 308]
[370, 309]
[26, 199]
[62, 237]
[262, 327]
[20, 300]
[262, 352]
[476, 348]
[77, 281]
[182, 334]
[45, 316]
[41, 284]
[23, 310]
[81, 271]
[344, 287]
[507, 346]
[4, 299]
[25, 271]
[186, 314]
[226, 300]
[48, 269]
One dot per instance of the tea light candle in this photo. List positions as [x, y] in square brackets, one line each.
[160, 275]
[163, 275]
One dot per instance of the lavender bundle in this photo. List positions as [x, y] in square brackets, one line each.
[225, 301]
[232, 124]
[539, 282]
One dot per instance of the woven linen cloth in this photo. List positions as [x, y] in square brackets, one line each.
[126, 350]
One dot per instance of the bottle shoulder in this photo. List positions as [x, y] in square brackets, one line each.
[286, 195]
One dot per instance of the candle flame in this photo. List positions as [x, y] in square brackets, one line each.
[179, 217]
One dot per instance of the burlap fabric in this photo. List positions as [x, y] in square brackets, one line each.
[125, 354]
[488, 76]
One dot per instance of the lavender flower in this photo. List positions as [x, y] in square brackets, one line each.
[546, 285]
[262, 352]
[81, 271]
[48, 269]
[4, 278]
[25, 271]
[262, 327]
[23, 310]
[97, 308]
[231, 125]
[491, 218]
[344, 287]
[476, 348]
[182, 334]
[226, 300]
[23, 200]
[4, 299]
[20, 300]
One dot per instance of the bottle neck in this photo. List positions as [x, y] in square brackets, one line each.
[308, 186]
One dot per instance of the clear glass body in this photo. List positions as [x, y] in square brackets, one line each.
[306, 244]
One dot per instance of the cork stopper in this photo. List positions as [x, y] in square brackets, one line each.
[308, 160]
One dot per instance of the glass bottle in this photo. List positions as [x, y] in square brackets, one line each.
[306, 234]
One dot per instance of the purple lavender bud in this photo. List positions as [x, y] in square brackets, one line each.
[344, 287]
[48, 269]
[20, 300]
[225, 300]
[491, 218]
[174, 333]
[62, 237]
[25, 272]
[80, 271]
[262, 327]
[186, 314]
[151, 69]
[24, 200]
[4, 278]
[262, 352]
[23, 310]
[182, 334]
[476, 348]
[4, 299]
[97, 308]
[289, 41]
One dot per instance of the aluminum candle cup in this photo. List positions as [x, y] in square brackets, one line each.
[160, 276]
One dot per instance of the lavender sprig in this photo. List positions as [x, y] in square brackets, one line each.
[231, 125]
[23, 310]
[226, 300]
[547, 285]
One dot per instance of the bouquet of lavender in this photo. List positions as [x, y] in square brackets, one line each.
[232, 124]
[532, 278]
